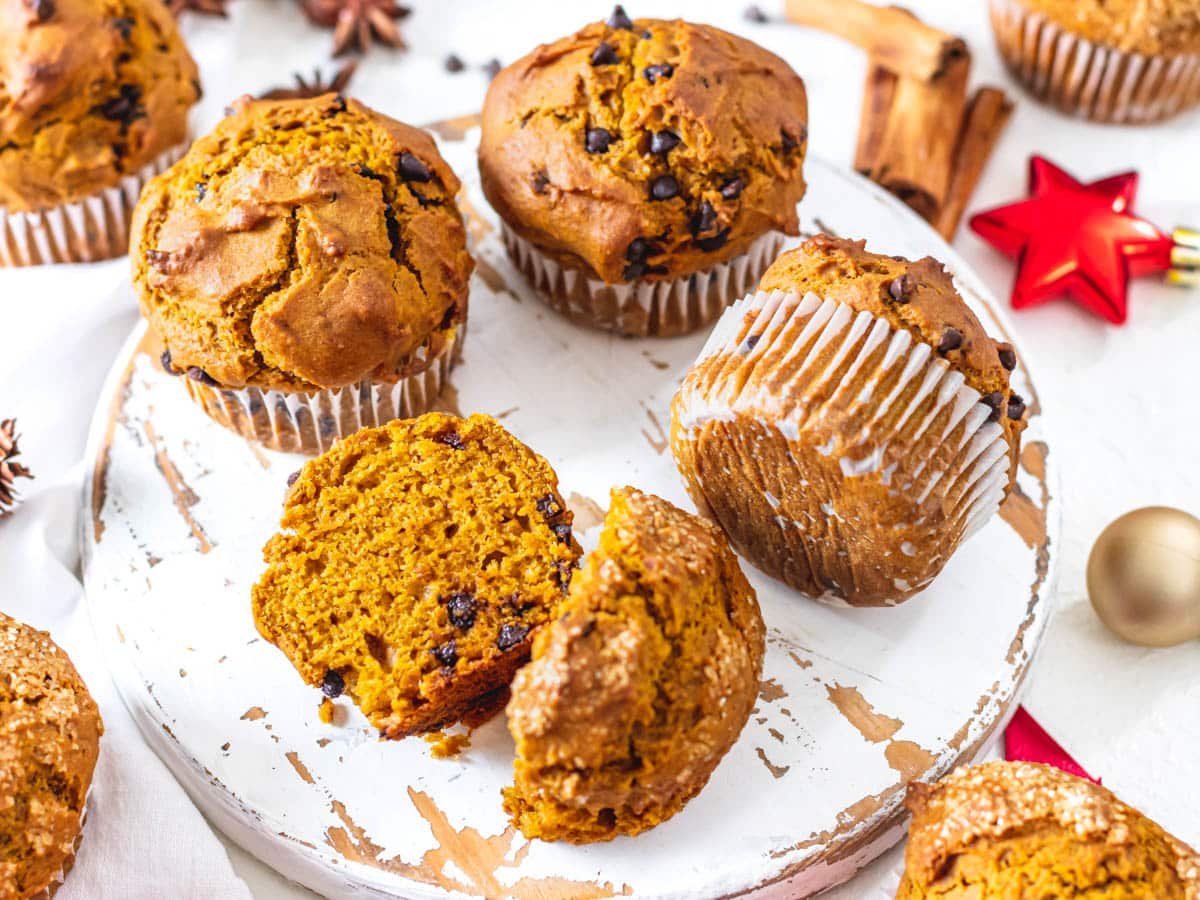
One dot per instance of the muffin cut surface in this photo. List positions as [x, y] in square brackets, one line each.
[641, 686]
[414, 564]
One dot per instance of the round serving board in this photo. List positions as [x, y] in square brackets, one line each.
[853, 703]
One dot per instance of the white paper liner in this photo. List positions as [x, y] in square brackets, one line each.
[1100, 82]
[847, 343]
[644, 308]
[298, 422]
[87, 230]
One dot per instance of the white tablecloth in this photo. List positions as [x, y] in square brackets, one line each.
[1123, 404]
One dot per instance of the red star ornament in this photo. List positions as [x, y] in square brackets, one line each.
[1076, 239]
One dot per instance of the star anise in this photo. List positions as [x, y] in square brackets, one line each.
[356, 23]
[9, 471]
[204, 7]
[316, 87]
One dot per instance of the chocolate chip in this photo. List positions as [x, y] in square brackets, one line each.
[619, 19]
[454, 64]
[511, 636]
[492, 67]
[995, 400]
[451, 438]
[751, 342]
[633, 271]
[198, 374]
[124, 108]
[662, 142]
[789, 142]
[201, 191]
[123, 25]
[461, 609]
[412, 169]
[1016, 406]
[338, 104]
[449, 317]
[588, 627]
[596, 140]
[716, 242]
[43, 10]
[657, 71]
[333, 684]
[733, 188]
[549, 506]
[646, 35]
[640, 248]
[562, 574]
[705, 220]
[605, 54]
[367, 172]
[539, 181]
[900, 287]
[755, 14]
[563, 533]
[447, 653]
[293, 478]
[165, 359]
[951, 340]
[664, 187]
[1008, 358]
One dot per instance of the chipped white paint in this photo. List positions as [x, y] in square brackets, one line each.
[801, 802]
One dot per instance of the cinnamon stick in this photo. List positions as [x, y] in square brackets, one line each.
[894, 38]
[916, 152]
[986, 115]
[877, 102]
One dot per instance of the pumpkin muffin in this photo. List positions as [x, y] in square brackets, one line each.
[645, 171]
[1026, 831]
[641, 685]
[415, 562]
[94, 99]
[850, 424]
[1108, 60]
[50, 733]
[306, 267]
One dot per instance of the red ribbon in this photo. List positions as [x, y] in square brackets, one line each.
[1026, 740]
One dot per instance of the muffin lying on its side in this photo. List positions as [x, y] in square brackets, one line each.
[1025, 831]
[50, 733]
[850, 424]
[641, 686]
[414, 564]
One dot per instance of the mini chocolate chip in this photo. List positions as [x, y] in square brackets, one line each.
[123, 25]
[492, 67]
[549, 506]
[662, 142]
[657, 71]
[333, 684]
[124, 108]
[412, 169]
[951, 340]
[1008, 358]
[664, 187]
[633, 271]
[1016, 406]
[789, 142]
[337, 105]
[588, 627]
[198, 374]
[733, 188]
[605, 54]
[619, 19]
[451, 438]
[596, 140]
[750, 343]
[562, 574]
[447, 653]
[461, 609]
[201, 191]
[539, 181]
[640, 248]
[293, 478]
[367, 172]
[43, 10]
[563, 533]
[165, 359]
[511, 636]
[755, 14]
[454, 64]
[646, 35]
[716, 242]
[705, 220]
[995, 400]
[449, 317]
[899, 288]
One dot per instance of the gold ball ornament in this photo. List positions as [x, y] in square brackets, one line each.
[1143, 576]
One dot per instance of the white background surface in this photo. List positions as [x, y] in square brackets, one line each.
[1123, 400]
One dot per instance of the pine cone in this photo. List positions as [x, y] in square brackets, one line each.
[9, 471]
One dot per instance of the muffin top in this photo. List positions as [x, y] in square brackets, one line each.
[90, 90]
[303, 244]
[643, 682]
[917, 296]
[49, 740]
[1016, 822]
[1141, 26]
[645, 149]
[414, 563]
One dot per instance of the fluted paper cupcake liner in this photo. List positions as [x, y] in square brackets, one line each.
[299, 422]
[644, 308]
[1093, 80]
[88, 230]
[887, 403]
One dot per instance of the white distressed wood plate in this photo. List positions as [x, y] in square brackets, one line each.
[854, 703]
